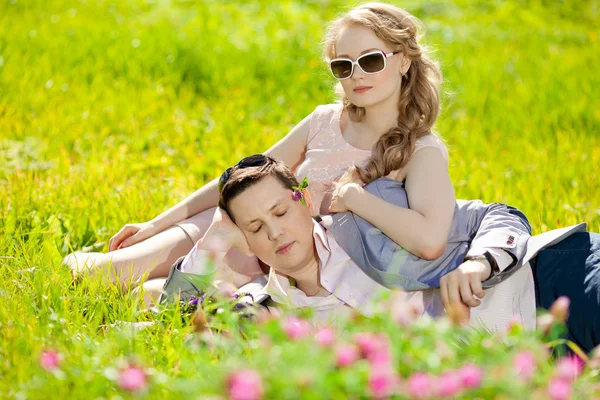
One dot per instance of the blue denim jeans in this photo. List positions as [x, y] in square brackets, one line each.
[572, 268]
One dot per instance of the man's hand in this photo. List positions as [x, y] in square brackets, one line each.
[223, 234]
[459, 286]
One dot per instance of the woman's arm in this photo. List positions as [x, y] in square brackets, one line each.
[423, 229]
[290, 150]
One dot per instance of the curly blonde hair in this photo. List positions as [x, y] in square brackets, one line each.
[419, 102]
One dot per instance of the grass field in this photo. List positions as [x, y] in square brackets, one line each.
[113, 111]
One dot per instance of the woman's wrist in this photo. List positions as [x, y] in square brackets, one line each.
[351, 196]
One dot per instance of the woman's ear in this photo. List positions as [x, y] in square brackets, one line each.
[404, 64]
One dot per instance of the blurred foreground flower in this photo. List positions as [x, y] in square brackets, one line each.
[383, 383]
[595, 358]
[346, 355]
[449, 384]
[366, 342]
[403, 311]
[132, 378]
[525, 365]
[296, 328]
[569, 368]
[325, 337]
[244, 385]
[559, 389]
[50, 359]
[420, 385]
[560, 309]
[471, 376]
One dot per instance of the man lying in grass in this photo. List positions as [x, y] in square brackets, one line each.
[333, 270]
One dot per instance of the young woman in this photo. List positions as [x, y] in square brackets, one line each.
[389, 104]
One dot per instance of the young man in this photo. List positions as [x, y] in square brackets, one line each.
[332, 270]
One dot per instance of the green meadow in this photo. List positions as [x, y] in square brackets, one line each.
[112, 111]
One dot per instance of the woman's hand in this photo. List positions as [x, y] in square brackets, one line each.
[131, 234]
[342, 196]
[223, 234]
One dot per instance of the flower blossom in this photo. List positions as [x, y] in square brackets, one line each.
[245, 385]
[50, 360]
[132, 379]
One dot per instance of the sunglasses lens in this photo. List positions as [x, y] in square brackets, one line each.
[341, 68]
[254, 160]
[372, 63]
[223, 179]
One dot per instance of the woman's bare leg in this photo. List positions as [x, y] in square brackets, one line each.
[152, 257]
[155, 256]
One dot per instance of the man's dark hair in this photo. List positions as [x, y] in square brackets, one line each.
[242, 177]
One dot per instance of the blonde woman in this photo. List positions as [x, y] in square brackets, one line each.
[382, 127]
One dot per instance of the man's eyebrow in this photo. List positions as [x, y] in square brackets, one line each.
[361, 53]
[277, 204]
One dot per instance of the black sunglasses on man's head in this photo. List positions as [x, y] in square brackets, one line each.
[255, 160]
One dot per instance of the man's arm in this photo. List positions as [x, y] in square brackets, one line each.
[504, 231]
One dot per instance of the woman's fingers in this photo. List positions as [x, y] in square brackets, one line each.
[115, 242]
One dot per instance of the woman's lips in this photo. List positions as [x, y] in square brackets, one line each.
[362, 89]
[285, 248]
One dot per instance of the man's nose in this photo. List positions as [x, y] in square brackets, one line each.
[274, 230]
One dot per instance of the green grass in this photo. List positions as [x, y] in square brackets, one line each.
[112, 111]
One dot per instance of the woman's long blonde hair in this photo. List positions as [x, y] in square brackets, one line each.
[419, 102]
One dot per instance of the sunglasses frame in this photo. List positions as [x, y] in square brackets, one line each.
[255, 160]
[385, 57]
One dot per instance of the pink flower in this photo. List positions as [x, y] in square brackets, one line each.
[569, 368]
[383, 383]
[449, 384]
[559, 389]
[404, 311]
[366, 342]
[420, 385]
[296, 328]
[514, 322]
[245, 385]
[325, 337]
[471, 376]
[132, 379]
[375, 348]
[346, 355]
[560, 308]
[525, 365]
[50, 360]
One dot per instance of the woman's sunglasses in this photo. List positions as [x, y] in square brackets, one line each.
[370, 63]
[255, 160]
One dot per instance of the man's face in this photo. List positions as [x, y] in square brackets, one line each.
[278, 229]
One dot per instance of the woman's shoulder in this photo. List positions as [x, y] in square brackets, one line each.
[432, 140]
[322, 118]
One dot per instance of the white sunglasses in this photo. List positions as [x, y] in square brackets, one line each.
[369, 63]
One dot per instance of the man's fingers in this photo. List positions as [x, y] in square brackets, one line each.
[477, 288]
[454, 298]
[444, 291]
[466, 293]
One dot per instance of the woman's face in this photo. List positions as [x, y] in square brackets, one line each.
[368, 90]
